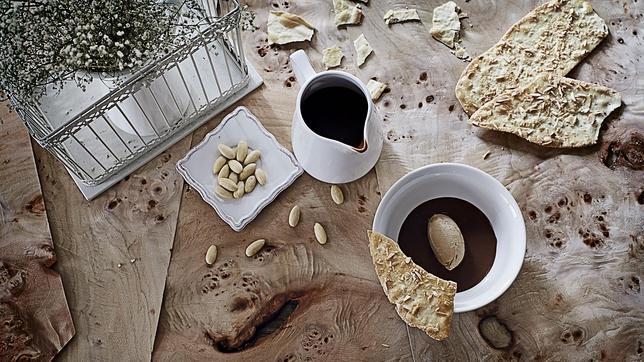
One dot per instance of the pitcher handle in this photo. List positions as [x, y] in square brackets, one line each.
[301, 66]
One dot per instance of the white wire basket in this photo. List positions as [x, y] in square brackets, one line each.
[103, 133]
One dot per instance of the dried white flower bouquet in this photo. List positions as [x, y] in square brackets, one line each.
[48, 42]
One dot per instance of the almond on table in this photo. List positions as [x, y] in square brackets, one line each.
[320, 233]
[336, 194]
[254, 247]
[211, 255]
[294, 216]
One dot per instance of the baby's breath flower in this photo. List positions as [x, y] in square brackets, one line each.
[49, 42]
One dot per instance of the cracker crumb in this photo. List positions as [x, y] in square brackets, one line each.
[399, 16]
[332, 57]
[363, 49]
[375, 89]
[284, 28]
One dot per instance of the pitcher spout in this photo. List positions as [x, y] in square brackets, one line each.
[362, 147]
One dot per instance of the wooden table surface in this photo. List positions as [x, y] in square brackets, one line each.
[131, 261]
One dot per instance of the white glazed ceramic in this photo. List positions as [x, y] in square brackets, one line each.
[481, 190]
[280, 165]
[326, 159]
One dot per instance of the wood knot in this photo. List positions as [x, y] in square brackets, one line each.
[588, 198]
[113, 204]
[12, 281]
[495, 332]
[532, 215]
[629, 153]
[239, 305]
[36, 205]
[572, 336]
[17, 336]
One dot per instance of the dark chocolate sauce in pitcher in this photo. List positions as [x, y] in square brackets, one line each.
[336, 112]
[480, 240]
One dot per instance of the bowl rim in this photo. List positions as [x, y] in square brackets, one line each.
[513, 270]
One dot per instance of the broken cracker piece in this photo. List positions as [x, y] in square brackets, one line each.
[363, 49]
[284, 28]
[399, 16]
[332, 56]
[552, 38]
[422, 300]
[461, 53]
[375, 89]
[446, 24]
[551, 111]
[346, 13]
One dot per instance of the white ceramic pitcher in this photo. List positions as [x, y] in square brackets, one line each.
[326, 159]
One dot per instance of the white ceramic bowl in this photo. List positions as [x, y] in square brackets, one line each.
[479, 189]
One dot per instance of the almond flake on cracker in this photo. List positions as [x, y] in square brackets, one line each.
[363, 49]
[399, 16]
[332, 56]
[376, 89]
[284, 28]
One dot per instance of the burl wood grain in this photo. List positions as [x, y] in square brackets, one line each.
[35, 322]
[113, 254]
[295, 299]
[578, 295]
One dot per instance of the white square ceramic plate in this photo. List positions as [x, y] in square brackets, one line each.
[280, 165]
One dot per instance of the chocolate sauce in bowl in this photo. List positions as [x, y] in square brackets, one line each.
[480, 240]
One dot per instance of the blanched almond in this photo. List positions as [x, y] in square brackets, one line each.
[242, 151]
[240, 190]
[228, 184]
[226, 151]
[255, 247]
[294, 216]
[249, 184]
[224, 172]
[235, 166]
[248, 171]
[252, 156]
[261, 176]
[211, 255]
[337, 195]
[320, 233]
[219, 163]
[223, 193]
